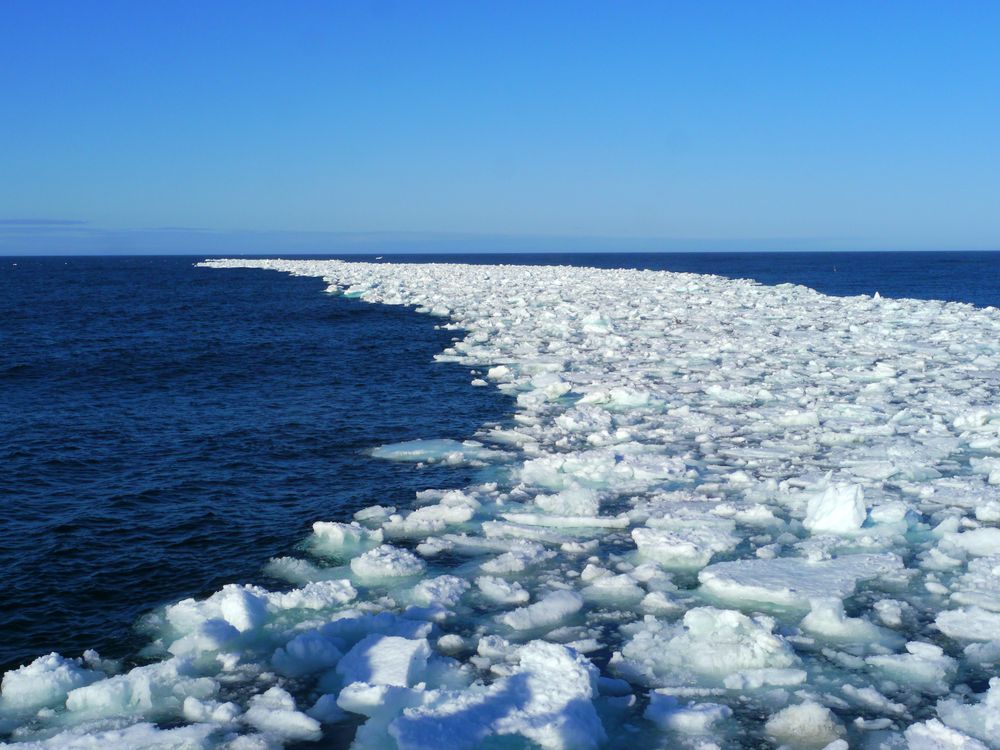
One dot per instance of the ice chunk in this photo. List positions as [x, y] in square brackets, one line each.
[141, 736]
[296, 570]
[210, 711]
[924, 667]
[315, 595]
[969, 624]
[435, 451]
[710, 647]
[980, 584]
[572, 501]
[827, 620]
[445, 591]
[273, 712]
[44, 682]
[243, 607]
[305, 653]
[933, 735]
[688, 547]
[839, 509]
[804, 726]
[386, 561]
[978, 542]
[451, 643]
[667, 712]
[326, 710]
[980, 720]
[500, 591]
[621, 590]
[547, 700]
[154, 690]
[521, 556]
[385, 660]
[333, 537]
[550, 610]
[793, 581]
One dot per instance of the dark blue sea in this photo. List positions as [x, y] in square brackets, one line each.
[166, 429]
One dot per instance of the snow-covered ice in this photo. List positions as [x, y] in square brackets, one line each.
[723, 515]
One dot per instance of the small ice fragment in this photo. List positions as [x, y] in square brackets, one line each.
[274, 712]
[668, 713]
[550, 610]
[839, 509]
[804, 726]
[386, 561]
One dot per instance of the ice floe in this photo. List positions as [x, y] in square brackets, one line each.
[722, 515]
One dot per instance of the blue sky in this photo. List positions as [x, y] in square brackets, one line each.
[334, 126]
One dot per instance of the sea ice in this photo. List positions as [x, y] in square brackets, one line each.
[776, 510]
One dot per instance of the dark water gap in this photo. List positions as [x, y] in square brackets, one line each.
[166, 429]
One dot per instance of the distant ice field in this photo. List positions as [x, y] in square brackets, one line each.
[724, 515]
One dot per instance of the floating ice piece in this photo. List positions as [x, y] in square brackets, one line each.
[619, 591]
[980, 720]
[428, 520]
[385, 660]
[445, 590]
[568, 522]
[572, 501]
[969, 624]
[438, 451]
[827, 620]
[620, 468]
[155, 690]
[374, 514]
[924, 667]
[350, 627]
[980, 542]
[326, 710]
[804, 726]
[980, 584]
[43, 683]
[304, 654]
[522, 555]
[546, 700]
[550, 610]
[332, 537]
[872, 699]
[687, 545]
[668, 713]
[710, 647]
[450, 643]
[273, 712]
[315, 595]
[141, 736]
[933, 735]
[793, 581]
[210, 711]
[500, 591]
[839, 509]
[387, 561]
[296, 570]
[211, 635]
